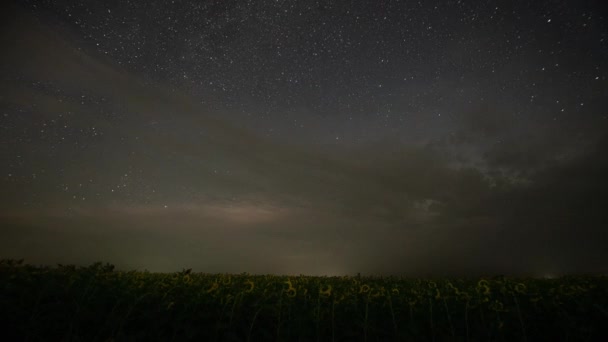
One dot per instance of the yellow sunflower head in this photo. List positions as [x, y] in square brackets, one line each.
[325, 292]
[251, 285]
[213, 287]
[291, 292]
[483, 287]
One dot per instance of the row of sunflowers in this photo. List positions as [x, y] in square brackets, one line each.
[99, 303]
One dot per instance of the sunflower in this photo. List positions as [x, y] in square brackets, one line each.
[453, 288]
[463, 295]
[497, 306]
[483, 287]
[520, 288]
[326, 292]
[251, 285]
[378, 293]
[213, 287]
[291, 292]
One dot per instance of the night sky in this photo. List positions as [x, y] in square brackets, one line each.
[314, 137]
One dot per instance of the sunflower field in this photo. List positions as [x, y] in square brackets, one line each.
[99, 303]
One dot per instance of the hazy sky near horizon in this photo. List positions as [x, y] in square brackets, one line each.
[315, 137]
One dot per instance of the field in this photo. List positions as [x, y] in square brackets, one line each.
[98, 303]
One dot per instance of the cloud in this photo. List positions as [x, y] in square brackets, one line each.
[238, 202]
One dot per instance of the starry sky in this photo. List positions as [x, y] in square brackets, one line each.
[317, 137]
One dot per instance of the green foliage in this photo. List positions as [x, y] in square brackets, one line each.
[98, 303]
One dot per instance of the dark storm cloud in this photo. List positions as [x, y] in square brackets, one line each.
[559, 219]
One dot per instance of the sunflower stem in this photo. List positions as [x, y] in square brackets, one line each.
[431, 318]
[252, 323]
[390, 303]
[365, 322]
[521, 321]
[333, 328]
[279, 320]
[445, 304]
[466, 319]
